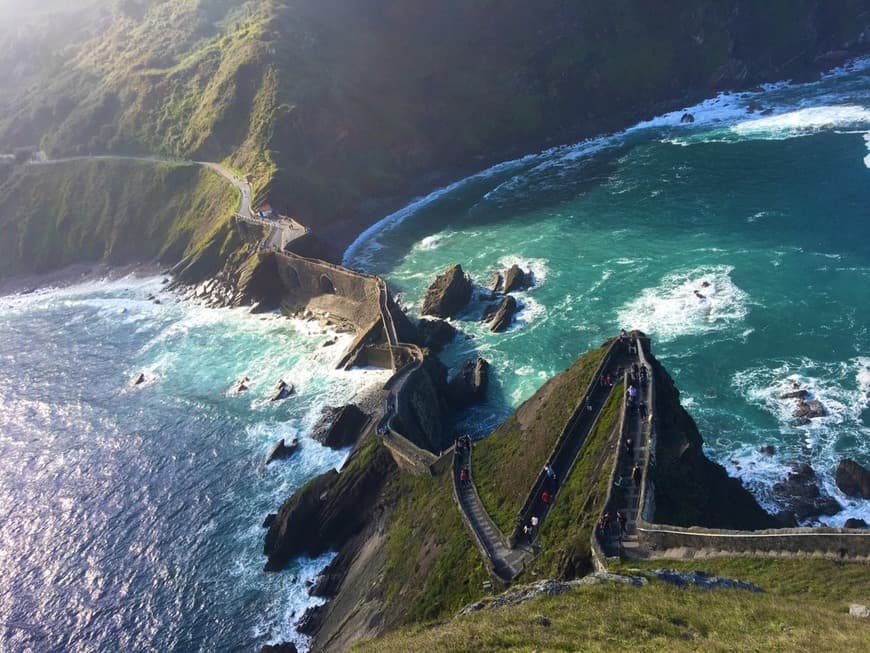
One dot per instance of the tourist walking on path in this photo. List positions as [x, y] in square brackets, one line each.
[635, 475]
[622, 520]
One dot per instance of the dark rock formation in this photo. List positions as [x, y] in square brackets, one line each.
[269, 520]
[767, 450]
[448, 294]
[690, 489]
[469, 384]
[499, 316]
[436, 333]
[139, 378]
[786, 519]
[282, 450]
[329, 509]
[516, 279]
[497, 283]
[310, 622]
[340, 427]
[423, 413]
[687, 118]
[800, 494]
[854, 522]
[286, 647]
[283, 390]
[702, 580]
[853, 479]
[807, 410]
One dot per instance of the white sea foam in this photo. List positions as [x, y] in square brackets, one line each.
[805, 121]
[538, 266]
[867, 142]
[844, 391]
[683, 305]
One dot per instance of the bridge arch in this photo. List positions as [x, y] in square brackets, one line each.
[326, 285]
[292, 277]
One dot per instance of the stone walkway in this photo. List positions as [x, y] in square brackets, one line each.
[509, 561]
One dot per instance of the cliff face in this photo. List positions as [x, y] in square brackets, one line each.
[119, 211]
[690, 489]
[339, 108]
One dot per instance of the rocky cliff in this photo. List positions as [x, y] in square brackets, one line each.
[690, 489]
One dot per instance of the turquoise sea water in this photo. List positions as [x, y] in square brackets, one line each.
[130, 516]
[620, 231]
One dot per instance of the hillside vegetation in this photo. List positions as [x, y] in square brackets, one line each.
[119, 211]
[804, 608]
[331, 103]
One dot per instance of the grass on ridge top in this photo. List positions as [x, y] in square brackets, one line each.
[433, 567]
[506, 463]
[802, 610]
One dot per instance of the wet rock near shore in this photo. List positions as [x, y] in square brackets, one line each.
[501, 315]
[807, 410]
[853, 479]
[435, 333]
[511, 280]
[286, 647]
[327, 511]
[855, 522]
[340, 427]
[469, 384]
[800, 494]
[448, 294]
[282, 450]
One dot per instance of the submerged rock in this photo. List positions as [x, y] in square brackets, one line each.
[807, 410]
[285, 647]
[687, 118]
[283, 390]
[767, 450]
[853, 479]
[800, 494]
[448, 294]
[282, 450]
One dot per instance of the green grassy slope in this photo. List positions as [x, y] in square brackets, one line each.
[118, 211]
[328, 103]
[506, 463]
[804, 608]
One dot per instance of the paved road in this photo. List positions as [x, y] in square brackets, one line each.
[240, 183]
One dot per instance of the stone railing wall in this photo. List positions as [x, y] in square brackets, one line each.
[525, 512]
[478, 539]
[838, 543]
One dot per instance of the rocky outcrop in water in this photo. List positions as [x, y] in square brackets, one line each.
[282, 450]
[807, 410]
[448, 294]
[500, 316]
[469, 384]
[855, 522]
[328, 510]
[800, 494]
[435, 333]
[340, 427]
[853, 479]
[286, 647]
[516, 279]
